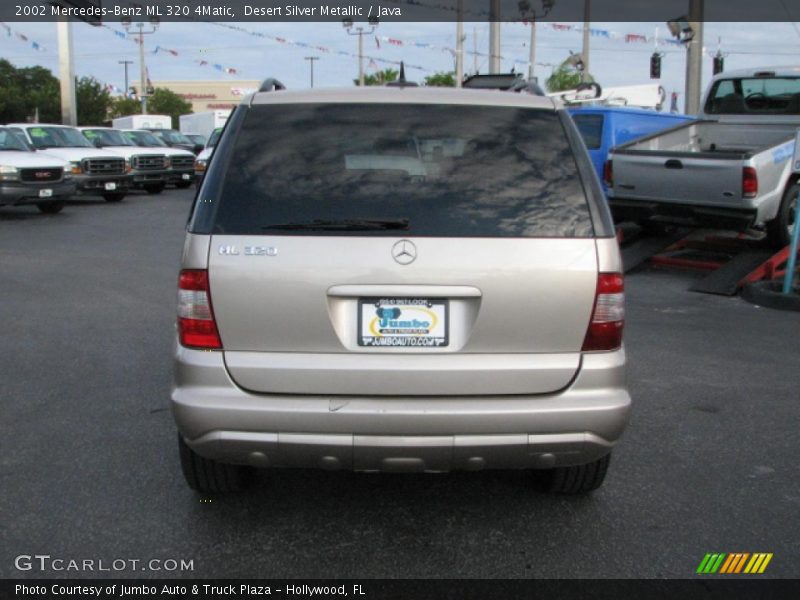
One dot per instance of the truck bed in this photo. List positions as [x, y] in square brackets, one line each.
[712, 138]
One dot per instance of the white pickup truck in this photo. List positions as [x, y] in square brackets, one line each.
[30, 178]
[729, 169]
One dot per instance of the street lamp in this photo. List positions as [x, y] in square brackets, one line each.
[128, 25]
[359, 31]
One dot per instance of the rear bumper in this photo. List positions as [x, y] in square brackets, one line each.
[416, 433]
[686, 215]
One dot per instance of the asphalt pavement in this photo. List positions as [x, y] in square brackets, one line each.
[89, 463]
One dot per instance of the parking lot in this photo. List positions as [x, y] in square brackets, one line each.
[89, 464]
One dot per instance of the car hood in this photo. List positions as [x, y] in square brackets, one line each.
[205, 154]
[77, 154]
[34, 160]
[172, 152]
[130, 151]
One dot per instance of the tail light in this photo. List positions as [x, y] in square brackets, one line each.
[749, 182]
[196, 325]
[608, 316]
[608, 173]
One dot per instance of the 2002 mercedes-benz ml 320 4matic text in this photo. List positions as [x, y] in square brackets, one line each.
[400, 279]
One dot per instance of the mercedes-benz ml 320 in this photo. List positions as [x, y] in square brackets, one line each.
[400, 279]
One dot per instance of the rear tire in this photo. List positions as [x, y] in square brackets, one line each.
[50, 208]
[579, 479]
[116, 197]
[209, 476]
[779, 230]
[156, 188]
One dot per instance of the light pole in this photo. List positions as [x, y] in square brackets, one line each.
[527, 12]
[125, 63]
[142, 68]
[359, 31]
[311, 60]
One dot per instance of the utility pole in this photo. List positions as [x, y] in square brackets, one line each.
[694, 58]
[460, 43]
[494, 36]
[142, 67]
[66, 73]
[359, 31]
[587, 17]
[532, 49]
[474, 50]
[125, 63]
[311, 60]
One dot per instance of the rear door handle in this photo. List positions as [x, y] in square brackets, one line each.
[673, 163]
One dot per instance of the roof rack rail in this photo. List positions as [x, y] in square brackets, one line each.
[270, 84]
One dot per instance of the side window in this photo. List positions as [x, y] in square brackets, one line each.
[591, 128]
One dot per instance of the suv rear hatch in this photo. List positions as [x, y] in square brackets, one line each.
[404, 249]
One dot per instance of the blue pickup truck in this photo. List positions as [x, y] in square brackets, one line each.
[603, 128]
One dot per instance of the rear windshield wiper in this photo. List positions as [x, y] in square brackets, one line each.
[343, 225]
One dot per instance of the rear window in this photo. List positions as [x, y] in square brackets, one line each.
[759, 95]
[591, 128]
[422, 170]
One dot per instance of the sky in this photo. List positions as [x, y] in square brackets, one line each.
[613, 61]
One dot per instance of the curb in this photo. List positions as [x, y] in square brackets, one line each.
[768, 294]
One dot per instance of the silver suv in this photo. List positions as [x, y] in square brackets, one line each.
[400, 279]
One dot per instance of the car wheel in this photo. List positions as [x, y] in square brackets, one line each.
[117, 197]
[154, 189]
[779, 230]
[579, 479]
[209, 476]
[182, 184]
[50, 208]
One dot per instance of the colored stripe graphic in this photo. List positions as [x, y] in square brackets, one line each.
[711, 563]
[734, 563]
[764, 564]
[727, 564]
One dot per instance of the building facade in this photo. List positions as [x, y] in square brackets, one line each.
[210, 95]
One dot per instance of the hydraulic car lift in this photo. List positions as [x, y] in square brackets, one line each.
[733, 261]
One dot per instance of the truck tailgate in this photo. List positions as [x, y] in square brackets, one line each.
[677, 177]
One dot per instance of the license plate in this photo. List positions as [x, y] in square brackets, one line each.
[47, 193]
[186, 177]
[111, 186]
[404, 322]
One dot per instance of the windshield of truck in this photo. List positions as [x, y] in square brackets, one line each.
[758, 95]
[107, 137]
[10, 142]
[591, 128]
[57, 137]
[173, 137]
[197, 138]
[212, 141]
[426, 170]
[144, 138]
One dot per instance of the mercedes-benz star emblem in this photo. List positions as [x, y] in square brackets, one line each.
[404, 252]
